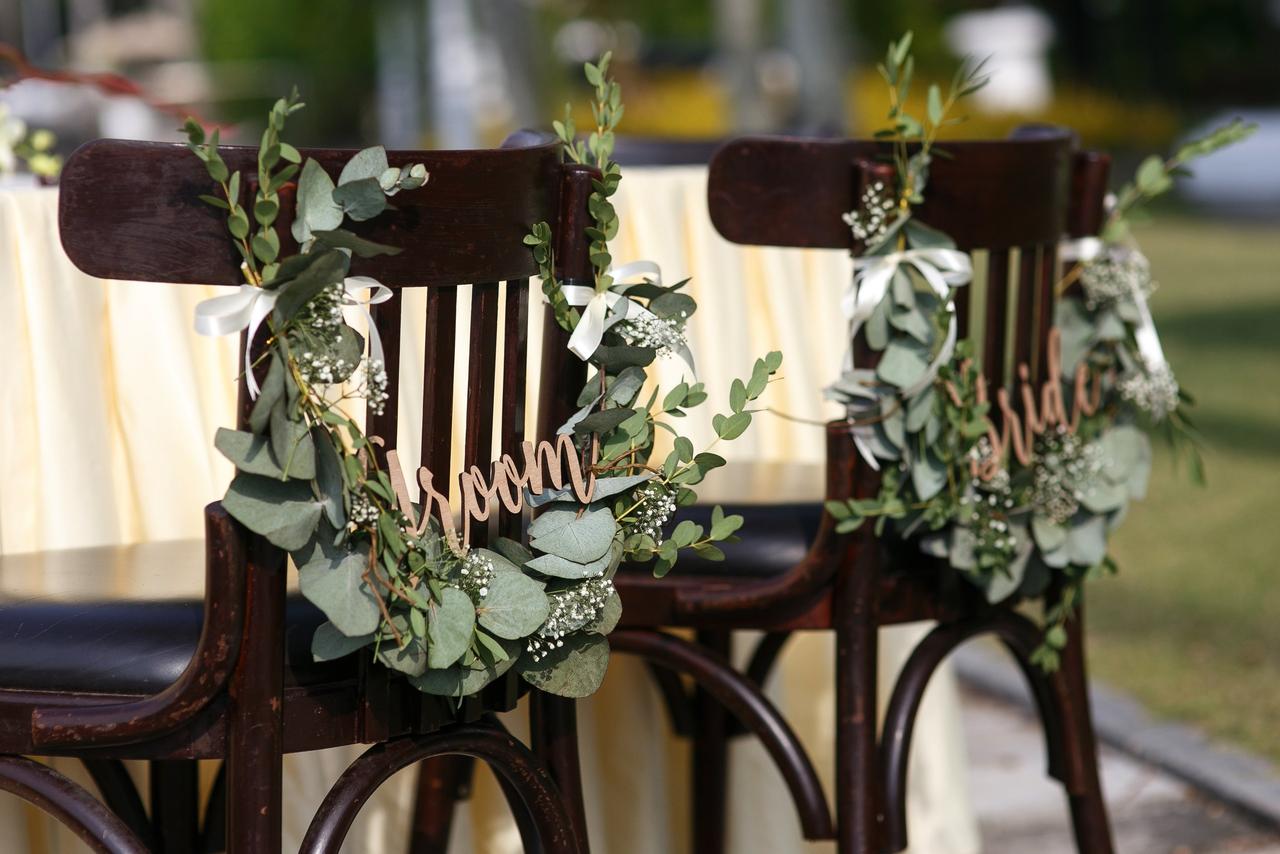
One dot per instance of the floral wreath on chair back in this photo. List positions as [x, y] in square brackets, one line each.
[396, 579]
[1010, 509]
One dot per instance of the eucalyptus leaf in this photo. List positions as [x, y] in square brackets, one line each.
[624, 388]
[283, 511]
[603, 422]
[335, 584]
[461, 681]
[609, 616]
[410, 659]
[574, 670]
[250, 453]
[606, 487]
[919, 409]
[329, 480]
[316, 209]
[616, 357]
[582, 539]
[922, 236]
[366, 163]
[1087, 541]
[271, 391]
[928, 476]
[559, 567]
[327, 268]
[904, 362]
[877, 326]
[292, 445]
[361, 200]
[340, 238]
[513, 551]
[329, 644]
[515, 606]
[450, 623]
[1049, 535]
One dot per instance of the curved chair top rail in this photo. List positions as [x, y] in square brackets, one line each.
[791, 191]
[130, 210]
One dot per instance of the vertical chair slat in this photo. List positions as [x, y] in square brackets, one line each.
[997, 318]
[386, 318]
[481, 384]
[437, 386]
[963, 295]
[1044, 310]
[515, 360]
[1024, 318]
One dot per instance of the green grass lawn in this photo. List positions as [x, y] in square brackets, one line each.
[1191, 626]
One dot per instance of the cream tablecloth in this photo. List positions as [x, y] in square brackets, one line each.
[108, 408]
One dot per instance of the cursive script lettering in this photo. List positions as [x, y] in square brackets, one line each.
[555, 463]
[1019, 429]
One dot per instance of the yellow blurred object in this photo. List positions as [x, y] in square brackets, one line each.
[693, 104]
[1100, 119]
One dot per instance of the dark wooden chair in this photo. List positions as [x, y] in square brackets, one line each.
[1011, 201]
[229, 675]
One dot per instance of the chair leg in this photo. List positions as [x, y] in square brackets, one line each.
[710, 770]
[1084, 788]
[175, 804]
[553, 735]
[255, 731]
[442, 782]
[857, 789]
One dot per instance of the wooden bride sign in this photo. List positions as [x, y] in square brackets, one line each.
[1019, 429]
[541, 465]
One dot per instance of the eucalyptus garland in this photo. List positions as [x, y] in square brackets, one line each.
[1023, 512]
[391, 577]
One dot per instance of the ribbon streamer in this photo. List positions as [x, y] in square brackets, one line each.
[250, 305]
[1086, 249]
[942, 269]
[608, 307]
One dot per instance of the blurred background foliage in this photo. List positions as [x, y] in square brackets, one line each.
[1129, 72]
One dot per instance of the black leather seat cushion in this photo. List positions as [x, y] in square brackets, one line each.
[117, 646]
[773, 538]
[115, 620]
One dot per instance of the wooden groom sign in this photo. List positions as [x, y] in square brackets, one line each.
[541, 465]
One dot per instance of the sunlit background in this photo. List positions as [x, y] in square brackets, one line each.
[1192, 626]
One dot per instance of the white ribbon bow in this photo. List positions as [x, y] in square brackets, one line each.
[943, 269]
[250, 305]
[1086, 249]
[606, 308]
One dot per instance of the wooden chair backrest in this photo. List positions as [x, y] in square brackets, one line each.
[1009, 200]
[129, 210]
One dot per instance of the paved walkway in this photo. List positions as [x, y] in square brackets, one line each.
[1021, 810]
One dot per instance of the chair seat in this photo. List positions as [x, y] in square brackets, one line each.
[115, 620]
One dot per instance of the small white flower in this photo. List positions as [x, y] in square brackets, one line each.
[1153, 391]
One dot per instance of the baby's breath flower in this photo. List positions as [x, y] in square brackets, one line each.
[1115, 277]
[666, 335]
[1064, 468]
[1153, 391]
[475, 574]
[375, 386]
[871, 221]
[571, 610]
[655, 510]
[363, 511]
